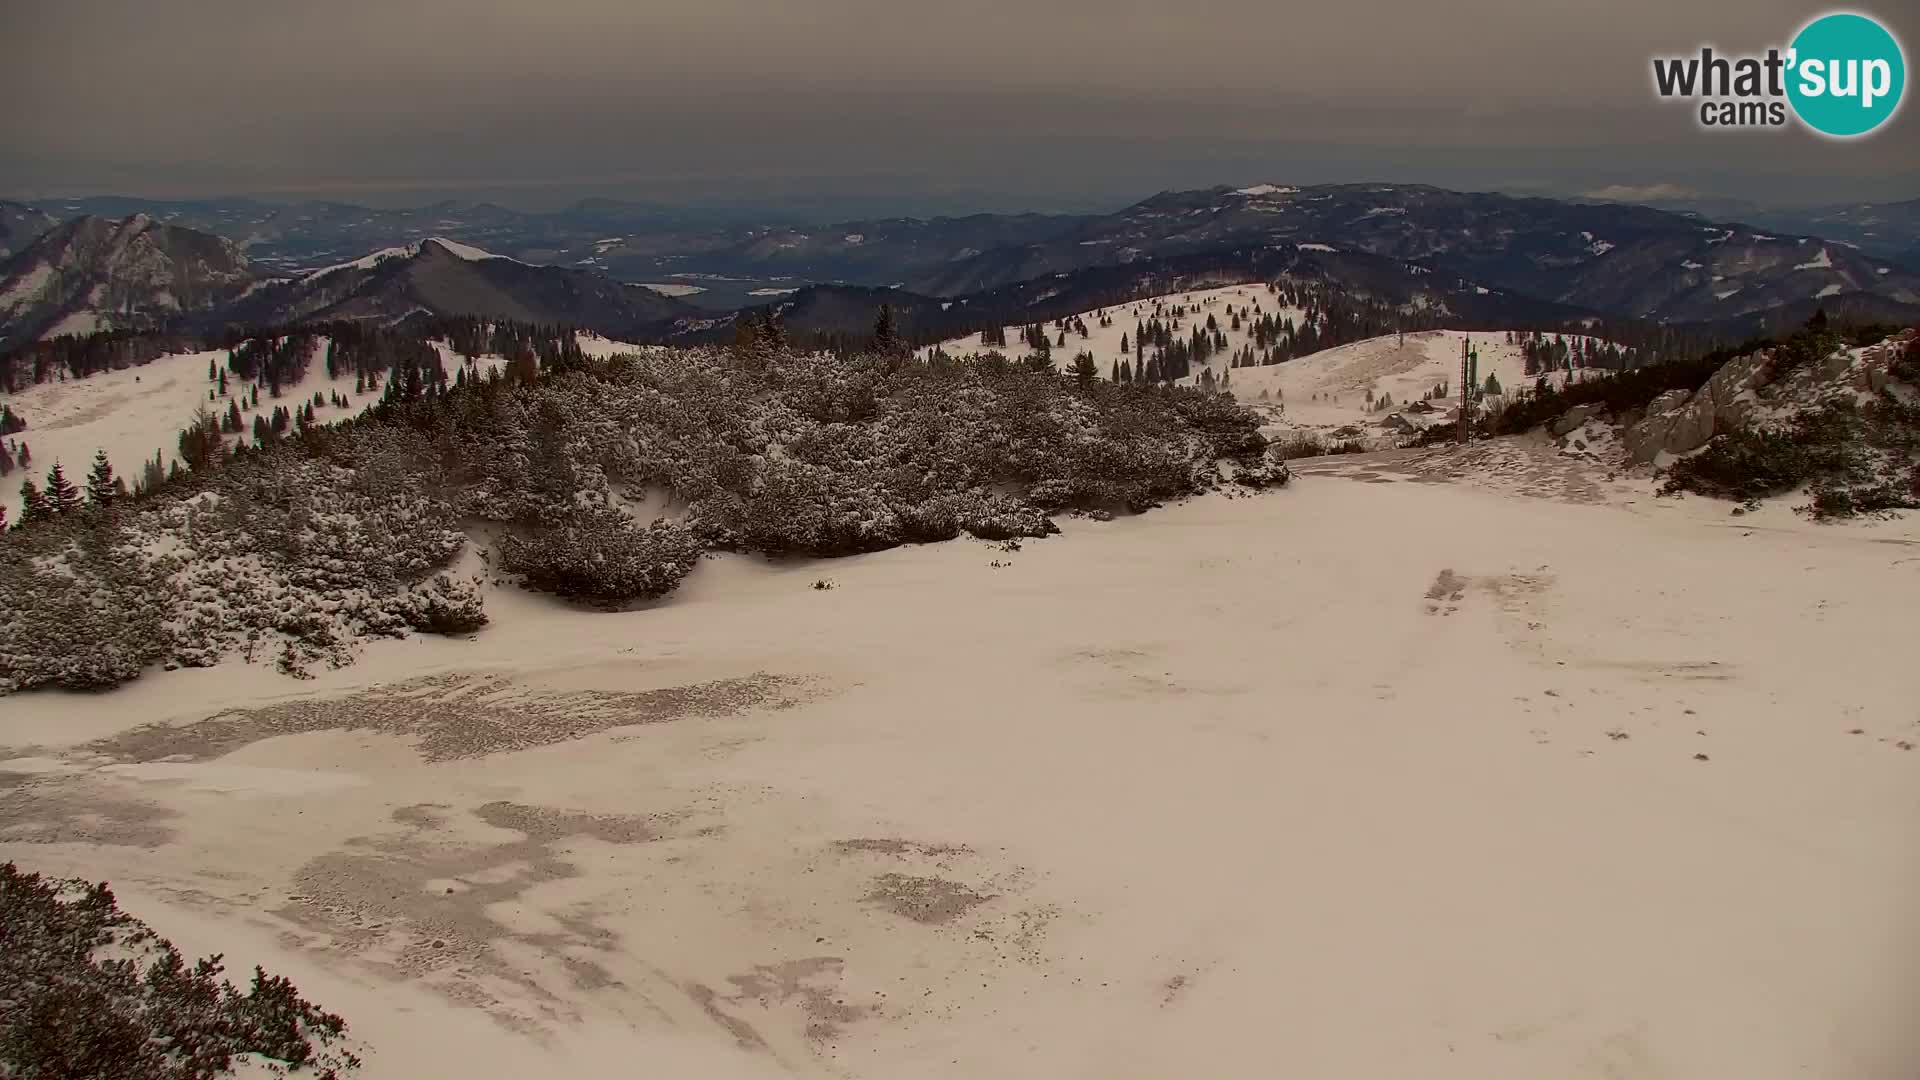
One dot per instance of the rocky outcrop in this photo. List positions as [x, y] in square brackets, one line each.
[1653, 433]
[1573, 418]
[1677, 421]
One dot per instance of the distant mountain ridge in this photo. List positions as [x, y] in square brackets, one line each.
[21, 225]
[1618, 258]
[93, 274]
[442, 277]
[1427, 298]
[1886, 230]
[1608, 259]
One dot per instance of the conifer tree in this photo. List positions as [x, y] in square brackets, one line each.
[152, 474]
[62, 496]
[886, 332]
[772, 333]
[522, 366]
[33, 504]
[103, 488]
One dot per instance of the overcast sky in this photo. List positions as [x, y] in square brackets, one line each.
[987, 103]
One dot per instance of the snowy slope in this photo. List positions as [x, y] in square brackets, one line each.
[1104, 342]
[1324, 390]
[1329, 388]
[136, 411]
[408, 251]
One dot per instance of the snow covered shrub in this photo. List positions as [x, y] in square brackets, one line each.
[1854, 459]
[67, 1010]
[445, 606]
[1906, 367]
[77, 611]
[300, 549]
[602, 556]
[1264, 473]
[1307, 444]
[999, 517]
[816, 510]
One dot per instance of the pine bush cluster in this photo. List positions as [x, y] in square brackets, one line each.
[298, 549]
[86, 990]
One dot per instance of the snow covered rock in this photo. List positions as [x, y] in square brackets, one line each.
[1573, 418]
[1647, 438]
[1678, 422]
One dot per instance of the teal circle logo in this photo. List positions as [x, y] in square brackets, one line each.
[1847, 75]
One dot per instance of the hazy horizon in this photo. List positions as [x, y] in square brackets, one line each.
[829, 205]
[983, 106]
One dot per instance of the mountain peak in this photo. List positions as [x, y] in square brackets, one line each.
[93, 273]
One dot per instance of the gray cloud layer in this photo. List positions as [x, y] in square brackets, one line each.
[1059, 101]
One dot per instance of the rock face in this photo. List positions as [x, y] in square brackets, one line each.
[94, 274]
[1646, 439]
[1678, 422]
[1573, 418]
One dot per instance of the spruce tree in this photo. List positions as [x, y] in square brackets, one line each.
[772, 333]
[62, 496]
[33, 504]
[103, 488]
[886, 333]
